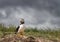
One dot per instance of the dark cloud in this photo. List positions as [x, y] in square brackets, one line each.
[4, 3]
[35, 12]
[52, 6]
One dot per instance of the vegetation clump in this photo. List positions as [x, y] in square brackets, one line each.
[53, 35]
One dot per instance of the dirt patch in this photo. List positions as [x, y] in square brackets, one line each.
[14, 38]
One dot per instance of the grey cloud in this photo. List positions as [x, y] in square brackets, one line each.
[31, 16]
[53, 6]
[35, 12]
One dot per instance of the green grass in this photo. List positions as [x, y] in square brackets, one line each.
[41, 32]
[48, 33]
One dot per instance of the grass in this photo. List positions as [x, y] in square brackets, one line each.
[43, 33]
[48, 33]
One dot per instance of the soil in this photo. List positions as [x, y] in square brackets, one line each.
[14, 38]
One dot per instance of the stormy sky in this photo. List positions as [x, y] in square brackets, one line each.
[37, 13]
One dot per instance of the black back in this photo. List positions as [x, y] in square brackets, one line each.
[17, 29]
